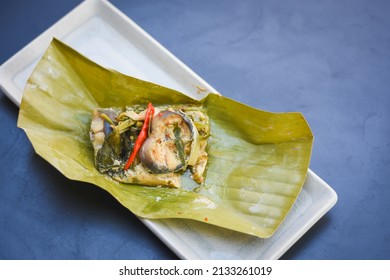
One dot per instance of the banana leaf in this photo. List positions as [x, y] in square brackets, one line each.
[258, 160]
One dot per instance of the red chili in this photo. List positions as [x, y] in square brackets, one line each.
[142, 136]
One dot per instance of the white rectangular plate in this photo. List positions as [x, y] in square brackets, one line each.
[104, 34]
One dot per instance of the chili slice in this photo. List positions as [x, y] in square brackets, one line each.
[142, 136]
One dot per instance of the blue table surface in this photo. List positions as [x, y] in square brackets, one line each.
[329, 60]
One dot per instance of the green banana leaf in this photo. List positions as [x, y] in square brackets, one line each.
[258, 160]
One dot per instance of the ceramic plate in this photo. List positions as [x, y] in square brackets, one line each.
[104, 34]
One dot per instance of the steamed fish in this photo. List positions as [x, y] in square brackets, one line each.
[151, 146]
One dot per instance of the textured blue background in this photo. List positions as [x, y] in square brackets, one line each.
[327, 59]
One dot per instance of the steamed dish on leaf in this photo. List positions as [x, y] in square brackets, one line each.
[151, 146]
[222, 162]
